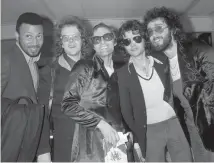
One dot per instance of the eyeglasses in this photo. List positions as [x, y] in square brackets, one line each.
[127, 42]
[67, 38]
[157, 29]
[106, 37]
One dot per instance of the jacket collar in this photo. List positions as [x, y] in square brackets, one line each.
[100, 68]
[27, 57]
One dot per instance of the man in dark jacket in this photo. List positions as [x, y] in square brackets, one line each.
[19, 72]
[191, 68]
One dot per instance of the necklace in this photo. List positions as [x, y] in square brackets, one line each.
[175, 72]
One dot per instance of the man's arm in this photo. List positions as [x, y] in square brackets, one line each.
[5, 72]
[43, 153]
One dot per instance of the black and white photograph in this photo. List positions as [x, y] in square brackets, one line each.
[107, 81]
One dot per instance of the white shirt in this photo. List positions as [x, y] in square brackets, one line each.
[157, 109]
[174, 68]
[110, 69]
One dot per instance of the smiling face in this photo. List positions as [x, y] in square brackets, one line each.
[30, 39]
[71, 40]
[104, 47]
[159, 34]
[136, 46]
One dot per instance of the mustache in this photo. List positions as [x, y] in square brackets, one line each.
[156, 38]
[34, 46]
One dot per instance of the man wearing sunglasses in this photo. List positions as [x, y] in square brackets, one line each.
[146, 100]
[191, 67]
[86, 101]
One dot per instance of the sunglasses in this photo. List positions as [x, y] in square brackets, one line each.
[67, 38]
[157, 29]
[106, 37]
[127, 42]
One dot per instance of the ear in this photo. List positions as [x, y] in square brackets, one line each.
[115, 42]
[172, 34]
[62, 45]
[175, 31]
[17, 36]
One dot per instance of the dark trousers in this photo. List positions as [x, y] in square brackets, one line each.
[63, 138]
[167, 134]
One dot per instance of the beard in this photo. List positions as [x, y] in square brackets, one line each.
[165, 44]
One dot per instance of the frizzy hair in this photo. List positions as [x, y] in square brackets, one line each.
[130, 25]
[170, 17]
[66, 22]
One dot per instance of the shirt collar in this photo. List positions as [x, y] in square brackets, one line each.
[152, 60]
[27, 57]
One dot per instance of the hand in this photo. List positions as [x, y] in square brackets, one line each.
[109, 133]
[46, 157]
[171, 50]
[138, 152]
[131, 137]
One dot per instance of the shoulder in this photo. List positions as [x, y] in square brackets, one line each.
[123, 69]
[7, 59]
[83, 66]
[123, 73]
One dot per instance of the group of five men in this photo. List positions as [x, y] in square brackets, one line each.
[190, 70]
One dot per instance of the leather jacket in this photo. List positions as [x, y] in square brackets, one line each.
[85, 99]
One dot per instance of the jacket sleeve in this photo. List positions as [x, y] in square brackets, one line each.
[113, 99]
[43, 95]
[5, 72]
[44, 146]
[44, 85]
[78, 81]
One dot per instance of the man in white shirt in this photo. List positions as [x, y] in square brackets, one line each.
[191, 68]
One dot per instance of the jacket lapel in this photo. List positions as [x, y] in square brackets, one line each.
[136, 95]
[28, 80]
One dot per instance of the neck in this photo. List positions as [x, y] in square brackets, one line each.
[107, 60]
[171, 51]
[140, 60]
[75, 57]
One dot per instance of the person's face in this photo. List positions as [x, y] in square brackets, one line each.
[133, 43]
[30, 38]
[71, 40]
[159, 34]
[104, 46]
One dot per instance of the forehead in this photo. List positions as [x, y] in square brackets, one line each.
[70, 30]
[156, 22]
[28, 28]
[130, 34]
[101, 31]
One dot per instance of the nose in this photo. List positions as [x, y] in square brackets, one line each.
[133, 43]
[71, 40]
[35, 41]
[102, 40]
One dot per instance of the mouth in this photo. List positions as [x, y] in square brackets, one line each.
[71, 46]
[134, 49]
[34, 49]
[103, 48]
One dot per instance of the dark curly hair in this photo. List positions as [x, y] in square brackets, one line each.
[170, 17]
[130, 25]
[81, 26]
